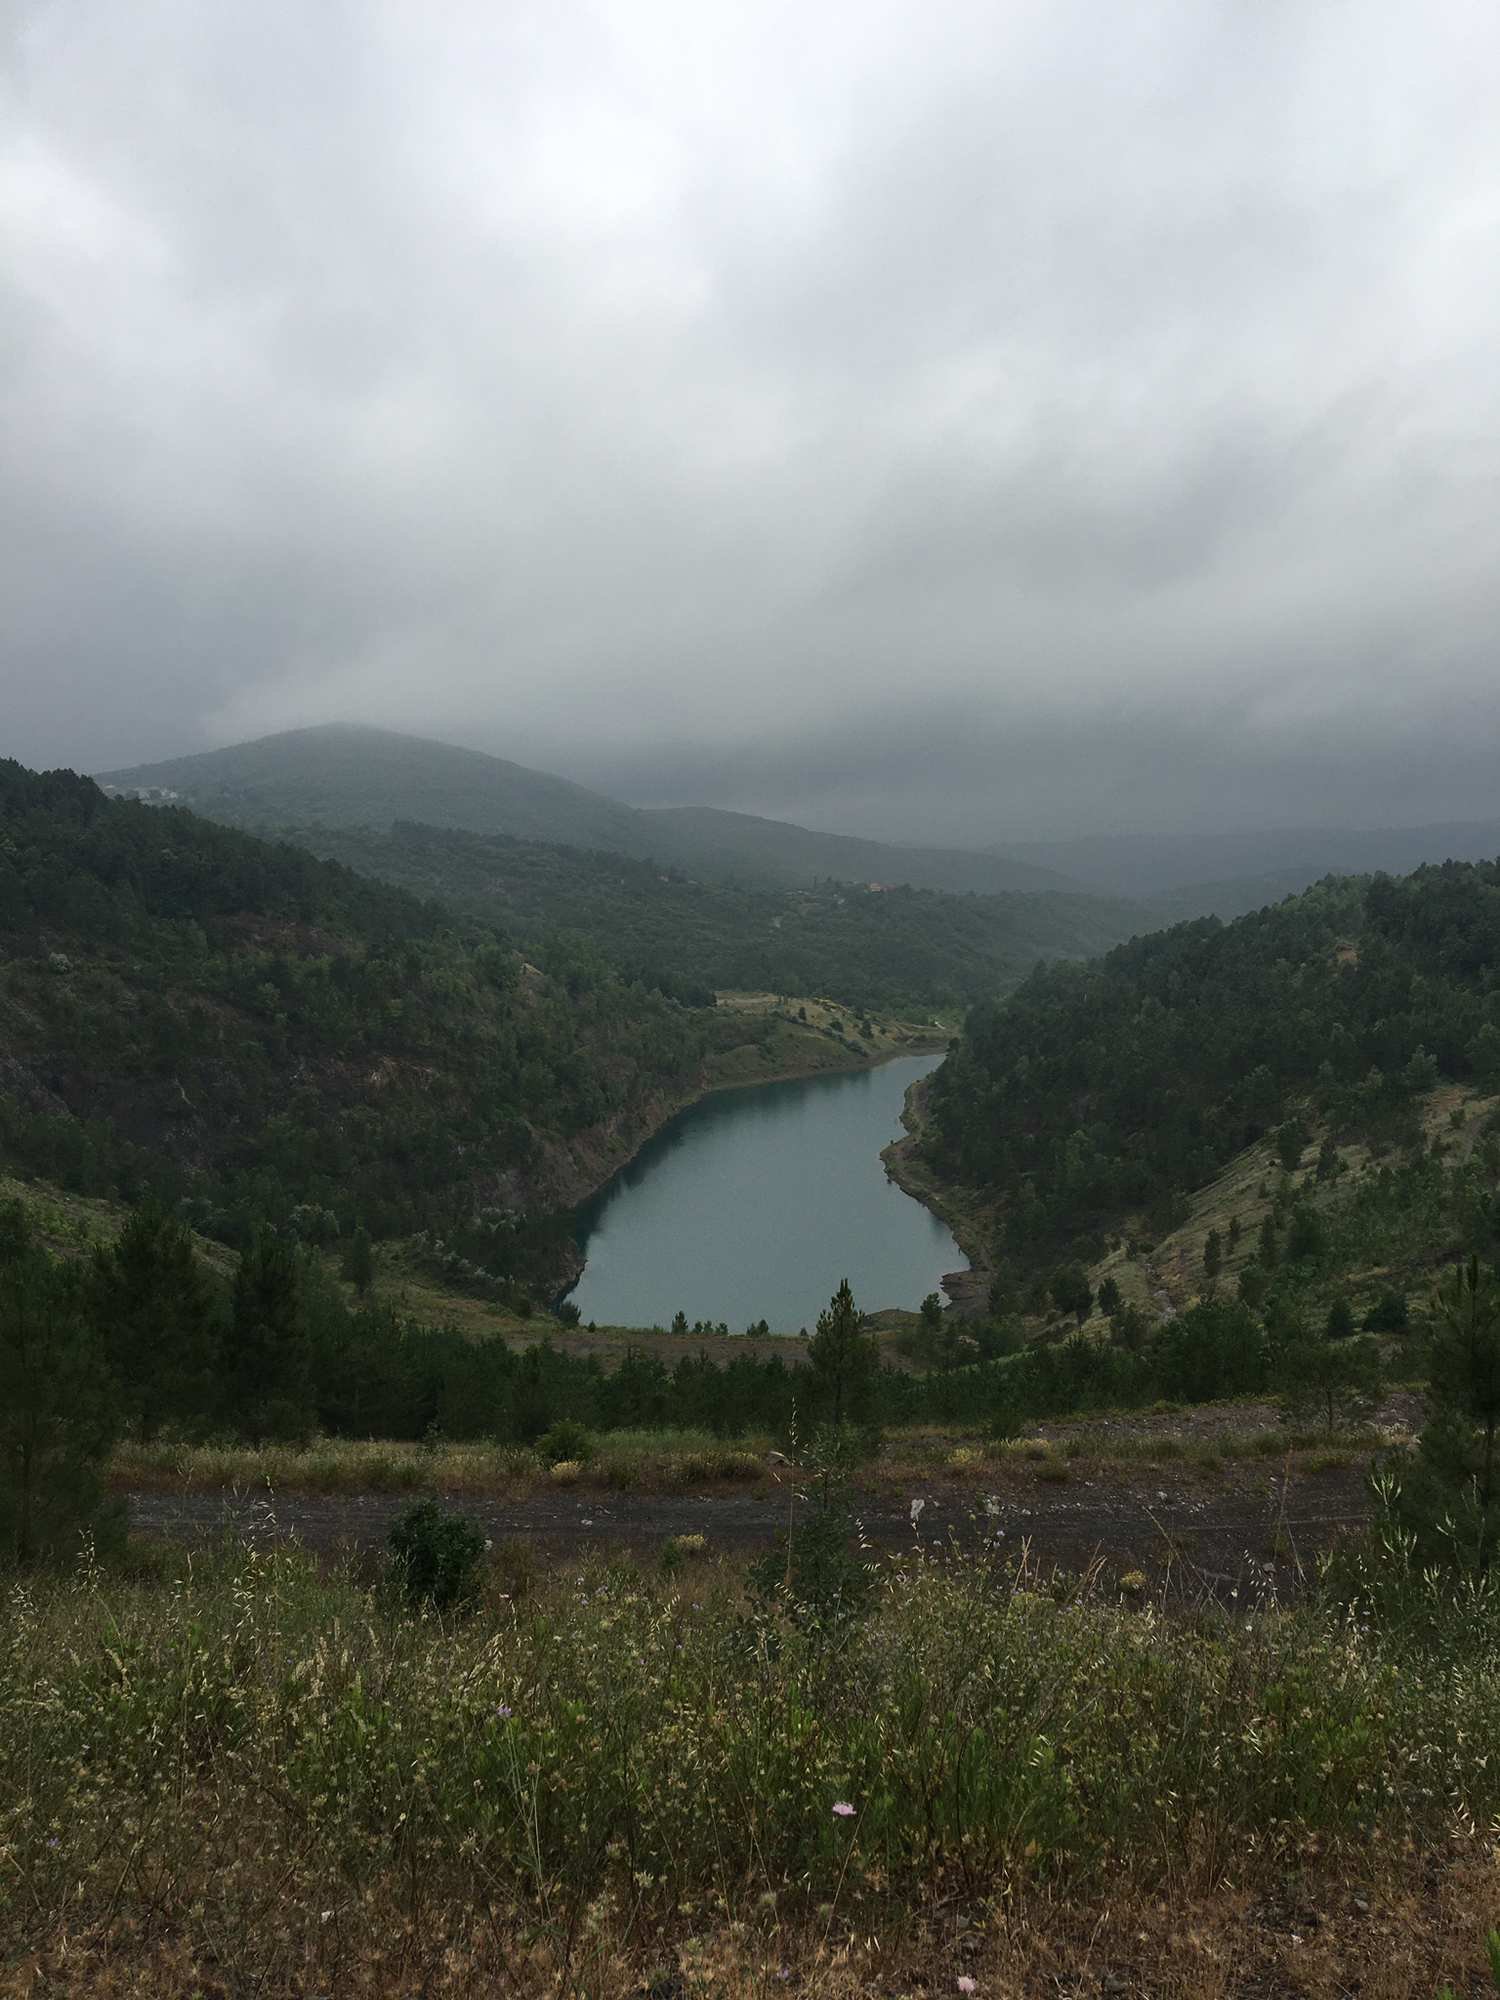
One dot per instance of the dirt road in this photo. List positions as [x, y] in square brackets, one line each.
[1247, 1534]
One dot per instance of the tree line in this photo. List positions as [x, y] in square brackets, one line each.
[139, 1338]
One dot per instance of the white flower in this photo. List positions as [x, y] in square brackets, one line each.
[916, 1511]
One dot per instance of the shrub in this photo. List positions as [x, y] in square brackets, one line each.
[436, 1556]
[1389, 1314]
[814, 1573]
[565, 1440]
[567, 1472]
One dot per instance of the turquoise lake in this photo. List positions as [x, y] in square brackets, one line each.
[753, 1204]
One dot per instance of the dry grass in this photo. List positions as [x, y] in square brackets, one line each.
[664, 1462]
[242, 1779]
[1376, 1933]
[624, 1461]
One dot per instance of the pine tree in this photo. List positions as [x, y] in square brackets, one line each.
[1339, 1324]
[1453, 1500]
[842, 1362]
[156, 1320]
[1253, 1286]
[1291, 1142]
[1334, 1381]
[58, 1406]
[359, 1261]
[269, 1372]
[1071, 1292]
[1269, 1249]
[1306, 1238]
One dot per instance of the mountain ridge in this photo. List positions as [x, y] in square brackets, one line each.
[1198, 874]
[345, 774]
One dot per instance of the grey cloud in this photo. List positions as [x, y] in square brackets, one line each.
[959, 420]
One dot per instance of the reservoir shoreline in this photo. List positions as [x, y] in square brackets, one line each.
[673, 1239]
[968, 1289]
[571, 1181]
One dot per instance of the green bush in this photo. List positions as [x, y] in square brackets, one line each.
[566, 1440]
[436, 1557]
[814, 1574]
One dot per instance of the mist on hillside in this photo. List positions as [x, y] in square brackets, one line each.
[961, 428]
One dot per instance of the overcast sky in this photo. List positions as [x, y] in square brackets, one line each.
[946, 420]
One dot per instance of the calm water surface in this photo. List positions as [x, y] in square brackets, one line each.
[753, 1204]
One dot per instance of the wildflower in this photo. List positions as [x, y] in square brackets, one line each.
[504, 1711]
[967, 1984]
[916, 1511]
[843, 1810]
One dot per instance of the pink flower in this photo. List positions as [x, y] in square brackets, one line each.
[966, 1984]
[843, 1810]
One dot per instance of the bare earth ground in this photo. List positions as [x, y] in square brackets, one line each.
[1248, 1538]
[1232, 1528]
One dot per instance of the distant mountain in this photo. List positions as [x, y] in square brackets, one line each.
[343, 776]
[1236, 897]
[1227, 873]
[729, 843]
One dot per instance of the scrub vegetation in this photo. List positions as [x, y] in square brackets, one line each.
[242, 1774]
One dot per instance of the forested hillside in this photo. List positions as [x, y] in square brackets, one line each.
[886, 948]
[1096, 1096]
[188, 1010]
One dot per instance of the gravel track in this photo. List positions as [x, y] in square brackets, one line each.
[1245, 1535]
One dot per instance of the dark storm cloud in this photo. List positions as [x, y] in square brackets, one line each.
[945, 421]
